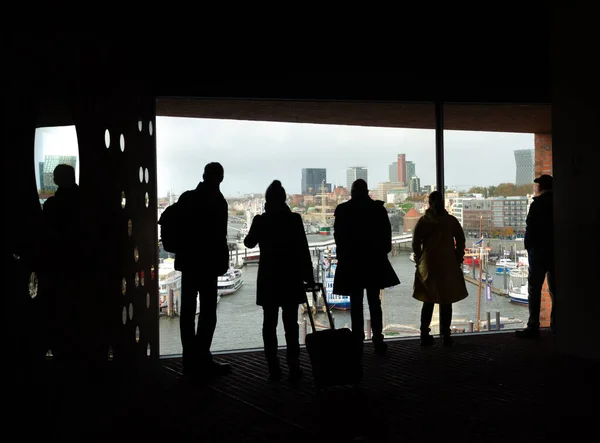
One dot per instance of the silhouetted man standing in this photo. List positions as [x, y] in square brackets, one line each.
[202, 257]
[62, 258]
[363, 237]
[539, 242]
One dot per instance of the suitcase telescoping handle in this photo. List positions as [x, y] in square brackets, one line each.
[313, 289]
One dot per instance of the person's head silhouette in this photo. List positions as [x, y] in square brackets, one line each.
[213, 174]
[359, 189]
[275, 193]
[436, 203]
[64, 176]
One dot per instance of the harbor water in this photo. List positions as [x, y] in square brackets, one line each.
[239, 323]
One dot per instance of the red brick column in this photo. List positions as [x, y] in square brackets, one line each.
[543, 165]
[543, 154]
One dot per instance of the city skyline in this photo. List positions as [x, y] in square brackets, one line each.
[255, 153]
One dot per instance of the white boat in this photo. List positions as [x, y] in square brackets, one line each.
[230, 282]
[170, 280]
[505, 265]
[486, 278]
[517, 289]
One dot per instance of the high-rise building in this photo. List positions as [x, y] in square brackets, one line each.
[410, 171]
[414, 185]
[312, 180]
[402, 168]
[525, 160]
[46, 169]
[393, 174]
[354, 173]
[41, 174]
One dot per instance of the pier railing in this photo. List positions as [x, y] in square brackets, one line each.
[254, 253]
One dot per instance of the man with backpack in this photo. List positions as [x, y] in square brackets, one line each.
[195, 229]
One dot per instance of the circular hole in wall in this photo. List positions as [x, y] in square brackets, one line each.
[33, 285]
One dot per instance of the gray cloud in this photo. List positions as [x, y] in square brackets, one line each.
[254, 153]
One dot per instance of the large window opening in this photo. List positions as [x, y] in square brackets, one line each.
[490, 165]
[54, 146]
[485, 165]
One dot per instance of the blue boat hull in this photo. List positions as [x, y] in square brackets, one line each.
[342, 306]
[519, 301]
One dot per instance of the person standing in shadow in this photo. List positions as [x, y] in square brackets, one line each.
[363, 237]
[284, 268]
[439, 247]
[202, 256]
[61, 266]
[539, 243]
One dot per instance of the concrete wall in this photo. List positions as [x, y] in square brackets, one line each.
[576, 153]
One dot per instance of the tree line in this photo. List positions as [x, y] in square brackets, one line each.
[502, 190]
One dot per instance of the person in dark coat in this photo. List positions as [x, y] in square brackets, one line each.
[202, 257]
[363, 237]
[284, 268]
[539, 243]
[59, 284]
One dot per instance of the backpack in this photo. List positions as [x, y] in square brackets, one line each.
[169, 228]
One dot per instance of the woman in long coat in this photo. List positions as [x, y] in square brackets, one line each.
[285, 266]
[439, 247]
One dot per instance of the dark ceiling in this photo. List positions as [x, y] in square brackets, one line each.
[496, 62]
[468, 117]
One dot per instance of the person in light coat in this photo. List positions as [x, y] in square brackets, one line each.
[439, 248]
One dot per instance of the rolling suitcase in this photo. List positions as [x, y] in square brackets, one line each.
[334, 354]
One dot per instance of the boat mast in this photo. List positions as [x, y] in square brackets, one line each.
[480, 276]
[323, 206]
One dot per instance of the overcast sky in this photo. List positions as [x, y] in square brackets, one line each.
[255, 153]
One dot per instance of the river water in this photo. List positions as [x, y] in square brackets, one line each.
[240, 319]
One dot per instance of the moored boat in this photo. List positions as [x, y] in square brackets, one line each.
[230, 282]
[518, 287]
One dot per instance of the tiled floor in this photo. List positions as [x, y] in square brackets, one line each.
[488, 387]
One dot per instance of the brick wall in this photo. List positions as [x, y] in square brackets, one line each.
[543, 165]
[543, 154]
